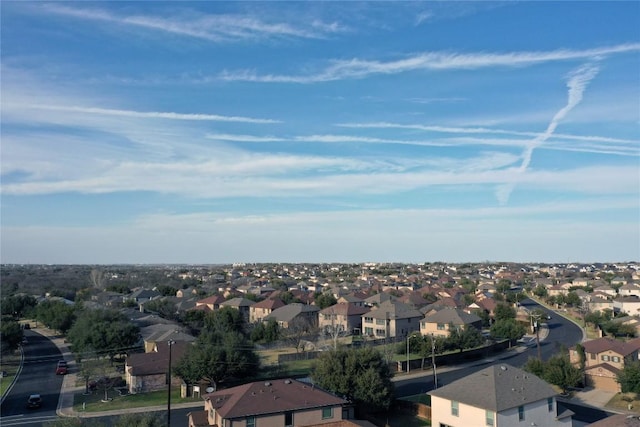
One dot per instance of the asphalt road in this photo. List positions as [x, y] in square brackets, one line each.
[37, 376]
[562, 333]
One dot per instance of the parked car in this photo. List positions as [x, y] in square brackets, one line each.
[62, 368]
[34, 401]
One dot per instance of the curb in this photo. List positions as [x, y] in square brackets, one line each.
[15, 377]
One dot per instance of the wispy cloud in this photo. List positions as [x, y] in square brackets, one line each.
[577, 83]
[213, 28]
[359, 68]
[152, 114]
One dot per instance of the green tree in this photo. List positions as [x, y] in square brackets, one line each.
[559, 371]
[504, 311]
[106, 332]
[221, 352]
[56, 315]
[359, 374]
[463, 338]
[325, 300]
[17, 305]
[507, 329]
[629, 377]
[10, 334]
[534, 366]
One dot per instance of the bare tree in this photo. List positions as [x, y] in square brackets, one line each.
[97, 278]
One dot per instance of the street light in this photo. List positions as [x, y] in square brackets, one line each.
[170, 343]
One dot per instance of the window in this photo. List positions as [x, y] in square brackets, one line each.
[380, 332]
[488, 416]
[615, 359]
[368, 331]
[520, 413]
[605, 358]
[326, 413]
[368, 320]
[251, 422]
[454, 408]
[288, 419]
[379, 321]
[441, 326]
[593, 356]
[550, 404]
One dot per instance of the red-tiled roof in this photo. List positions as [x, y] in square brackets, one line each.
[271, 304]
[267, 397]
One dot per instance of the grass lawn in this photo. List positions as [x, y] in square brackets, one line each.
[93, 402]
[621, 402]
[9, 363]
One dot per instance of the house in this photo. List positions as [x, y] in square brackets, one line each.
[187, 292]
[499, 396]
[241, 304]
[141, 296]
[629, 305]
[211, 303]
[630, 289]
[343, 317]
[391, 319]
[604, 359]
[262, 309]
[442, 322]
[293, 313]
[282, 402]
[617, 420]
[146, 372]
[598, 303]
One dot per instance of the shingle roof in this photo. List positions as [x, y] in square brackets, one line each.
[496, 388]
[269, 303]
[455, 316]
[394, 310]
[291, 311]
[604, 344]
[269, 397]
[199, 418]
[618, 420]
[346, 309]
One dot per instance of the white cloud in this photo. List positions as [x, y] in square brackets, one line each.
[213, 28]
[359, 68]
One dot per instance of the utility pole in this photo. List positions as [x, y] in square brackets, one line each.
[170, 343]
[536, 325]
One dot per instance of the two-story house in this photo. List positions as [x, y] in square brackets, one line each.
[295, 314]
[240, 304]
[275, 403]
[498, 396]
[442, 322]
[604, 359]
[262, 309]
[342, 317]
[391, 319]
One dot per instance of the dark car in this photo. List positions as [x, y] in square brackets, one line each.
[34, 401]
[62, 369]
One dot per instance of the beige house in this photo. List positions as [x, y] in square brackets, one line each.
[342, 317]
[629, 305]
[442, 322]
[497, 396]
[262, 309]
[391, 319]
[604, 359]
[276, 403]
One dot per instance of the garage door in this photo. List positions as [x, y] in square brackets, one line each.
[603, 383]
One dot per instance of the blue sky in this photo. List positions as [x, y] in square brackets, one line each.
[213, 132]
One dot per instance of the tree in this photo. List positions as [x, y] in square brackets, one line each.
[221, 352]
[629, 377]
[17, 305]
[559, 371]
[298, 329]
[10, 334]
[504, 311]
[325, 300]
[361, 375]
[507, 329]
[56, 315]
[463, 338]
[106, 332]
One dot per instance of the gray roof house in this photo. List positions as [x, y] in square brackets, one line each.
[500, 395]
[391, 319]
[287, 314]
[440, 323]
